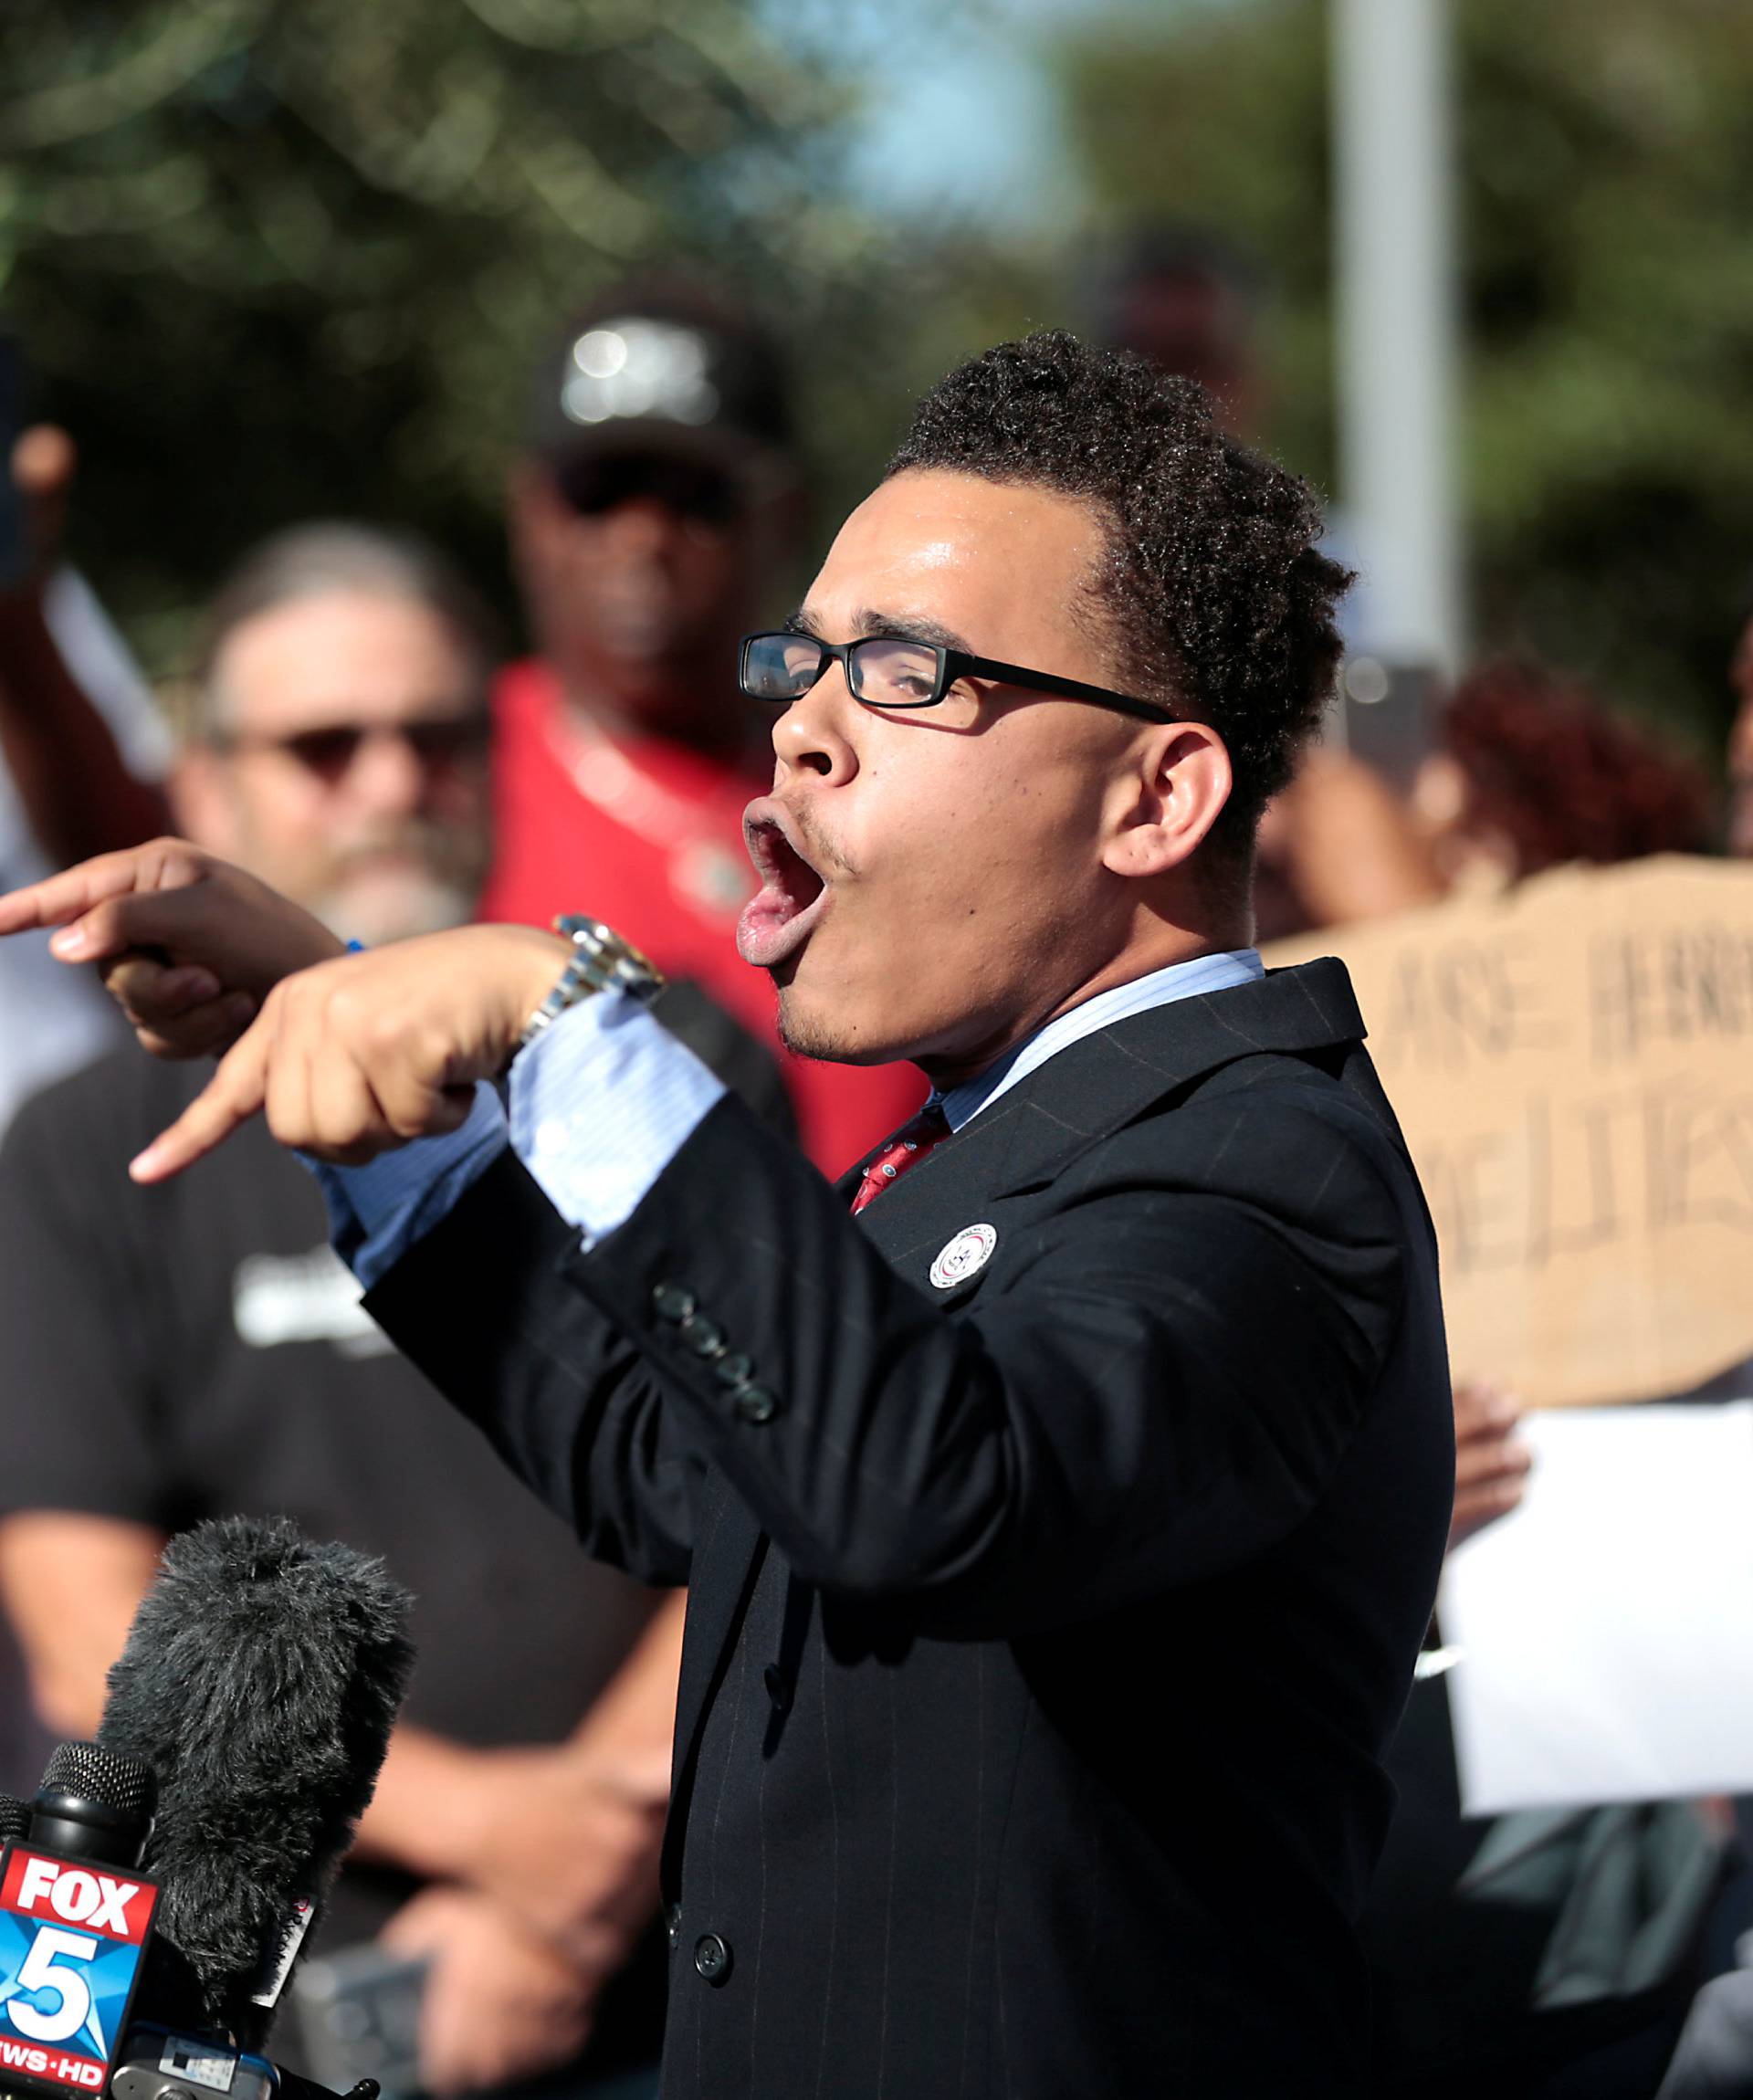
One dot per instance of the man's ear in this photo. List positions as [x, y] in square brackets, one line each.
[1169, 798]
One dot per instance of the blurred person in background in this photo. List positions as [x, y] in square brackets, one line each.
[659, 502]
[1186, 298]
[167, 1356]
[1337, 845]
[1532, 772]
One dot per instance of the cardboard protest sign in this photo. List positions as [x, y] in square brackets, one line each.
[1572, 1064]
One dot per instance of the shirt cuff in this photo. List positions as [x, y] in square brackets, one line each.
[601, 1101]
[377, 1211]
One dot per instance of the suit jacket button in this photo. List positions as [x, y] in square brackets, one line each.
[671, 1302]
[734, 1370]
[672, 1923]
[701, 1336]
[756, 1405]
[778, 1690]
[712, 1957]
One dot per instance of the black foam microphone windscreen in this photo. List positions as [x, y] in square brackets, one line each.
[15, 1819]
[260, 1682]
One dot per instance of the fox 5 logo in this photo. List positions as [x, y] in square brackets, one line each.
[71, 1943]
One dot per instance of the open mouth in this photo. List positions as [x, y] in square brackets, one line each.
[779, 919]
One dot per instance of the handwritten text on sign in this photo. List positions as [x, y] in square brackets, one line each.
[1573, 1067]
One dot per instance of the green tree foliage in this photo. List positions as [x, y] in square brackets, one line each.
[1606, 186]
[278, 259]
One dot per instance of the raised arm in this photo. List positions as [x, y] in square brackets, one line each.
[77, 789]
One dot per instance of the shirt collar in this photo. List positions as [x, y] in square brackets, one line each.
[1178, 981]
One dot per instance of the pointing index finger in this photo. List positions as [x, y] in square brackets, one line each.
[234, 1093]
[65, 897]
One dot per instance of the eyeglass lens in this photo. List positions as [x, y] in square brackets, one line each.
[882, 673]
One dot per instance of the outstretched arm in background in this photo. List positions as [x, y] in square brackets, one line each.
[76, 791]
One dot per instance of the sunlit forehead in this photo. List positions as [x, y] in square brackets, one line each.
[1005, 568]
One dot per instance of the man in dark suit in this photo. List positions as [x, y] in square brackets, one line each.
[1060, 1533]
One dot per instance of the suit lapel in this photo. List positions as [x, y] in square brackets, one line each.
[1035, 1129]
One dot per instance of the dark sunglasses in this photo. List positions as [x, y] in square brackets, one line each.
[884, 671]
[593, 485]
[443, 744]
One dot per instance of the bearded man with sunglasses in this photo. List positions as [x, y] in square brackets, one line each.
[1061, 1528]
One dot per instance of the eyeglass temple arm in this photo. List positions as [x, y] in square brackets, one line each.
[958, 664]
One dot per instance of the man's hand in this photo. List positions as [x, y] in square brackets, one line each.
[577, 1857]
[502, 2003]
[1491, 1466]
[188, 945]
[567, 1836]
[356, 1057]
[43, 463]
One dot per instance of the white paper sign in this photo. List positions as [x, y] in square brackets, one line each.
[1606, 1629]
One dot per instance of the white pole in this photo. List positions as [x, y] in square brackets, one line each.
[1393, 132]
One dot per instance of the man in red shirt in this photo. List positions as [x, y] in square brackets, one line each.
[660, 493]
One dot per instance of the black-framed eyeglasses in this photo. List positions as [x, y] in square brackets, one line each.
[886, 671]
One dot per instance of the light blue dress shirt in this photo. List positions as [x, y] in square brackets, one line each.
[604, 1100]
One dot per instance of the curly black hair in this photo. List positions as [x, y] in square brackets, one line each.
[1213, 595]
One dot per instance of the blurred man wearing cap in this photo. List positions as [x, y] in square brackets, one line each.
[659, 497]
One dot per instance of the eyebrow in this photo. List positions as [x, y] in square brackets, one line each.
[900, 626]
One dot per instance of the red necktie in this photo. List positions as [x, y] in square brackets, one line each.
[906, 1148]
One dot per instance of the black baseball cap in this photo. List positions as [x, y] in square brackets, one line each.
[665, 370]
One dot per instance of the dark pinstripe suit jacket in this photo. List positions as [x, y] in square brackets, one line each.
[1045, 1631]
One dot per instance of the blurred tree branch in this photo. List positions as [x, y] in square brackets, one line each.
[175, 49]
[273, 258]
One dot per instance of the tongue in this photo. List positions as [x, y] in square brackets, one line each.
[775, 924]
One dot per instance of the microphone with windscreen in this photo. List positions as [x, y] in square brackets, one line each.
[260, 1681]
[188, 1850]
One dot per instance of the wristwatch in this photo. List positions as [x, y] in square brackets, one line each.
[601, 961]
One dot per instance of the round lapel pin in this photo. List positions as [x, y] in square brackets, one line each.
[963, 1256]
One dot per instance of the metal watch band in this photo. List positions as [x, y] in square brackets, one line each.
[601, 961]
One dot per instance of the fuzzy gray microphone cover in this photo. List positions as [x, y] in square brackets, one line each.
[260, 1682]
